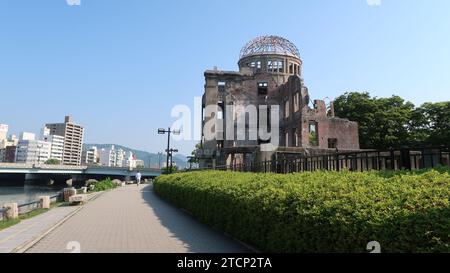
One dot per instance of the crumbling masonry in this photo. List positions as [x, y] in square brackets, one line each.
[270, 74]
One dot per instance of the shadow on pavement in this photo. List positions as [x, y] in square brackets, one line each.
[198, 237]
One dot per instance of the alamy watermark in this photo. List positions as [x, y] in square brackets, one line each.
[374, 247]
[74, 247]
[231, 123]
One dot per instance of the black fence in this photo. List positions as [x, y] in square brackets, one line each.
[404, 159]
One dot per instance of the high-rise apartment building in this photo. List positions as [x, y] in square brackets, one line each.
[73, 139]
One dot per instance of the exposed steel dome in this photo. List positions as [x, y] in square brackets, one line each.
[269, 45]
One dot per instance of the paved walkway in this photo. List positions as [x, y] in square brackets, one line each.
[133, 219]
[28, 230]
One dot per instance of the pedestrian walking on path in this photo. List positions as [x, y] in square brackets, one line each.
[138, 178]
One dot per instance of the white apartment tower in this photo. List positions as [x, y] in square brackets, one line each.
[90, 156]
[108, 157]
[56, 144]
[73, 140]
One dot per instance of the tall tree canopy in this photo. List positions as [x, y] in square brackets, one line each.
[394, 122]
[433, 123]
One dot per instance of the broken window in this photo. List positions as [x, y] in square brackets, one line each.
[280, 66]
[296, 102]
[256, 65]
[296, 69]
[286, 109]
[275, 66]
[221, 85]
[270, 66]
[220, 144]
[332, 143]
[313, 133]
[262, 88]
[220, 110]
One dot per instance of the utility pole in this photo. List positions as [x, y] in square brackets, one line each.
[168, 132]
[171, 151]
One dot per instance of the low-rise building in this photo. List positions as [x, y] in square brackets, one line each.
[31, 151]
[139, 163]
[132, 162]
[107, 156]
[90, 156]
[8, 154]
[113, 157]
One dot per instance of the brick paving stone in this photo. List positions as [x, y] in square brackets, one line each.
[133, 219]
[30, 229]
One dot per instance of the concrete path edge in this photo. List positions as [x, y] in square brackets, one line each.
[27, 245]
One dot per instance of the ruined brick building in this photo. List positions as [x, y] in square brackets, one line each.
[270, 74]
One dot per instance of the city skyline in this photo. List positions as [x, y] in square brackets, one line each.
[116, 65]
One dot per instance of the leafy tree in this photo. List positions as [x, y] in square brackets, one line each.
[432, 124]
[193, 159]
[383, 122]
[53, 162]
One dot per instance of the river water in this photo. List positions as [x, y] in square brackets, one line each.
[25, 194]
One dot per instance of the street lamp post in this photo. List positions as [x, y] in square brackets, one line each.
[162, 131]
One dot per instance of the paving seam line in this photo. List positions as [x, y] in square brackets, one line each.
[27, 245]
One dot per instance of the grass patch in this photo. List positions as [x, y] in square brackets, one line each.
[9, 223]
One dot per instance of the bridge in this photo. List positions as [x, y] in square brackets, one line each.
[12, 173]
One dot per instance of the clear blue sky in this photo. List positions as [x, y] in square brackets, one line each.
[118, 67]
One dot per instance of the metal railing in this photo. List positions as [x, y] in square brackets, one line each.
[30, 206]
[2, 213]
[402, 159]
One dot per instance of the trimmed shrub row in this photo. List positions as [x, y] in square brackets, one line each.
[320, 211]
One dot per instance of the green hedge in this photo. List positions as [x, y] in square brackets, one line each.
[320, 211]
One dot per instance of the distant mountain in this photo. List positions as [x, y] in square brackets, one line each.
[148, 158]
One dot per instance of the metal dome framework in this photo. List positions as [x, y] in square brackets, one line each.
[269, 45]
